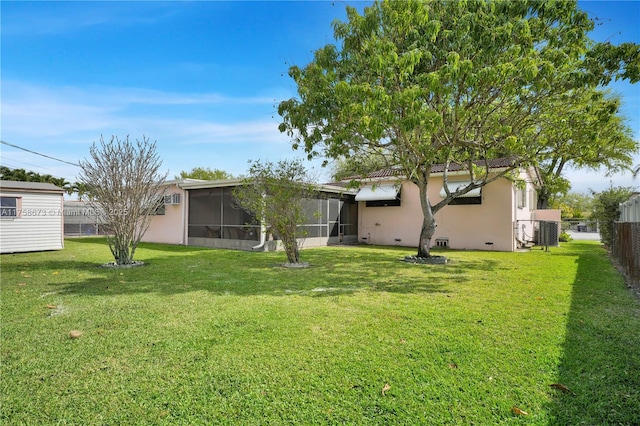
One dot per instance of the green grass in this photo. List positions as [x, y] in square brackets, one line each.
[202, 336]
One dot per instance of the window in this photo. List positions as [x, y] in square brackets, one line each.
[9, 207]
[379, 195]
[464, 201]
[533, 199]
[522, 198]
[472, 197]
[156, 209]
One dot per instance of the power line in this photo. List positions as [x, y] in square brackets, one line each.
[37, 153]
[4, 160]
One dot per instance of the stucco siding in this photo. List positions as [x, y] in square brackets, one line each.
[39, 225]
[169, 228]
[394, 225]
[485, 226]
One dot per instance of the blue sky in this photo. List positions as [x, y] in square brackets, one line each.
[201, 78]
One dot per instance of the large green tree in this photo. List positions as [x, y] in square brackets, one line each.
[452, 82]
[582, 129]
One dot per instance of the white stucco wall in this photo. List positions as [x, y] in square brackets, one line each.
[169, 228]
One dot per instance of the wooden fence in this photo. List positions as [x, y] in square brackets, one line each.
[625, 248]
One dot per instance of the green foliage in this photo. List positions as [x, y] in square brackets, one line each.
[204, 174]
[201, 336]
[564, 237]
[450, 82]
[606, 62]
[275, 194]
[583, 129]
[358, 166]
[573, 205]
[22, 175]
[82, 189]
[606, 209]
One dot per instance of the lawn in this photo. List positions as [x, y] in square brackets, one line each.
[200, 336]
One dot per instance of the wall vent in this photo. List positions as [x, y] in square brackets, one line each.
[442, 242]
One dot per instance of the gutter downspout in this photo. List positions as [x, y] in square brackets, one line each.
[263, 237]
[263, 230]
[183, 215]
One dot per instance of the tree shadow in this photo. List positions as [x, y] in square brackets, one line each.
[601, 359]
[171, 270]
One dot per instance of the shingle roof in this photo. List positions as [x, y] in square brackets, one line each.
[29, 186]
[496, 163]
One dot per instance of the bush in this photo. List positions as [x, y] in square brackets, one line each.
[565, 237]
[606, 210]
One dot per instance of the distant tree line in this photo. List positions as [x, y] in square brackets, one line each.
[204, 173]
[22, 175]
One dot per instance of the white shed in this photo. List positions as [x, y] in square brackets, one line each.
[31, 217]
[630, 209]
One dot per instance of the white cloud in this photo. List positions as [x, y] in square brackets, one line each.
[63, 121]
[54, 18]
[73, 113]
[584, 181]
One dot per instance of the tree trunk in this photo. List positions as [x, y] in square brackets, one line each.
[121, 250]
[543, 202]
[428, 229]
[543, 198]
[288, 238]
[293, 254]
[428, 222]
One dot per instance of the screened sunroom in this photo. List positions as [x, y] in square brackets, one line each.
[216, 220]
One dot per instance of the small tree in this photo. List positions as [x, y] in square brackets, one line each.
[606, 210]
[126, 190]
[276, 193]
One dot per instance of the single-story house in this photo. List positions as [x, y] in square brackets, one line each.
[205, 213]
[31, 217]
[385, 210]
[500, 216]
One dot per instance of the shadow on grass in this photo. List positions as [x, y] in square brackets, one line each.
[178, 269]
[601, 359]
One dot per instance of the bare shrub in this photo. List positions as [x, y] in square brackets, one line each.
[126, 190]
